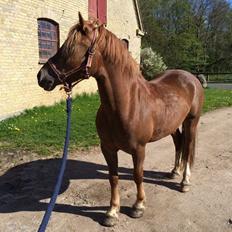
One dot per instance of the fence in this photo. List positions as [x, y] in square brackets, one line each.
[218, 77]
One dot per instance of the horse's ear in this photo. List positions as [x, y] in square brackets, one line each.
[96, 23]
[81, 20]
[83, 27]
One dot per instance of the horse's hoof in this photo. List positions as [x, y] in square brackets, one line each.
[184, 188]
[109, 221]
[137, 212]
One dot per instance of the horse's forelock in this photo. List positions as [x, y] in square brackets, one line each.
[69, 47]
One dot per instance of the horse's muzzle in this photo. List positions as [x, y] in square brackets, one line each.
[45, 81]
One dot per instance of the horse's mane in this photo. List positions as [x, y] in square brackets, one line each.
[115, 52]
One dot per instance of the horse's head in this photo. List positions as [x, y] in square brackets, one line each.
[73, 60]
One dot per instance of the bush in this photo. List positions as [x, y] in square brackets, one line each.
[151, 63]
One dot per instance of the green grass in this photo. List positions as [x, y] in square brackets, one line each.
[42, 129]
[217, 98]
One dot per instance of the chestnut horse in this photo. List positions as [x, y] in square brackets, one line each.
[133, 111]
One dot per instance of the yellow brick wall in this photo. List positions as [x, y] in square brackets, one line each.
[19, 46]
[123, 22]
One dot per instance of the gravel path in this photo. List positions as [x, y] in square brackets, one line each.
[25, 188]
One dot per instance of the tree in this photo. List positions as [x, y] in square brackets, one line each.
[191, 34]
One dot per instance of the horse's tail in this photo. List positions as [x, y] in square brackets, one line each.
[202, 79]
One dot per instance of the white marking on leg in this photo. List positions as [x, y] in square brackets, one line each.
[113, 212]
[188, 173]
[139, 205]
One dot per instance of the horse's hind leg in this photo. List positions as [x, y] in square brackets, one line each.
[111, 158]
[189, 133]
[177, 139]
[138, 160]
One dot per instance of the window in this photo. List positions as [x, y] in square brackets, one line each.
[48, 35]
[126, 43]
[98, 9]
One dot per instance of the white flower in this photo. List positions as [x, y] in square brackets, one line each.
[151, 63]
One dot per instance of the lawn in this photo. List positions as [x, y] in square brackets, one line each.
[217, 98]
[42, 129]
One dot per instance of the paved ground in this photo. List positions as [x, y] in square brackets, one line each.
[26, 188]
[220, 85]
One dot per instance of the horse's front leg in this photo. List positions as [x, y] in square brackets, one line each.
[111, 158]
[138, 160]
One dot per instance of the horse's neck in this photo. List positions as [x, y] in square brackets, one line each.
[114, 92]
[118, 78]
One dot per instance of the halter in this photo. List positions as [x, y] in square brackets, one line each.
[63, 76]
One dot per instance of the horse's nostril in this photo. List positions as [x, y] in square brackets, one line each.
[50, 82]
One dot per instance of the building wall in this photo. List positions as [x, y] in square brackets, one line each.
[19, 46]
[122, 21]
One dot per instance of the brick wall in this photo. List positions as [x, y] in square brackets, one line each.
[19, 46]
[123, 22]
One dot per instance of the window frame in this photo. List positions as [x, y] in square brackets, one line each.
[56, 39]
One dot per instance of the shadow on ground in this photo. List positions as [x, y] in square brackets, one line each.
[23, 187]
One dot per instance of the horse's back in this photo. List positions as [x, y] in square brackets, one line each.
[176, 77]
[179, 82]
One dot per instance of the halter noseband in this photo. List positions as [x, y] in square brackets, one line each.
[63, 76]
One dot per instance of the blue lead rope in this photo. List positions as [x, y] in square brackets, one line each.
[52, 202]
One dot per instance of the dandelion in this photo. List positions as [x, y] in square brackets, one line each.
[16, 128]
